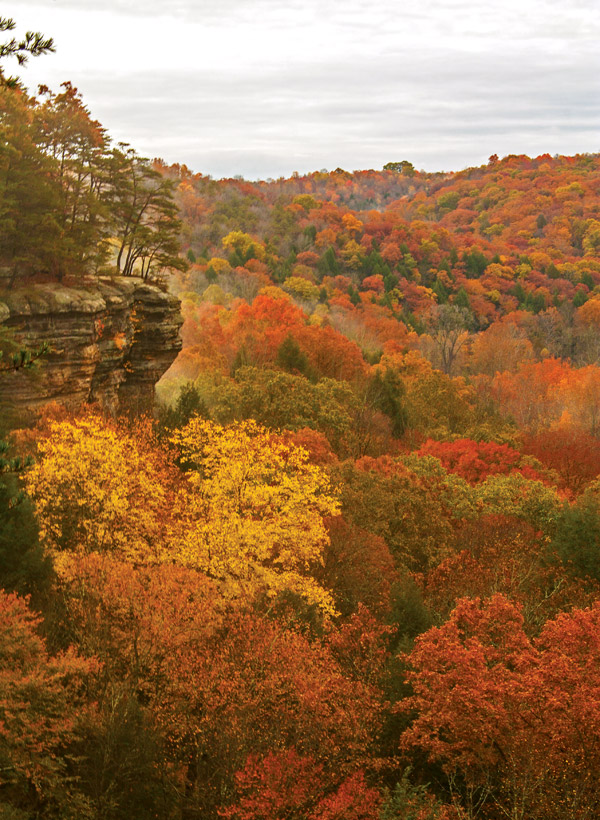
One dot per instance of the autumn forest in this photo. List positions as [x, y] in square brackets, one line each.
[348, 568]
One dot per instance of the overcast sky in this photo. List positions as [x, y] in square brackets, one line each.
[263, 88]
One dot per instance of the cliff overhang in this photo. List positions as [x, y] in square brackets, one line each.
[110, 340]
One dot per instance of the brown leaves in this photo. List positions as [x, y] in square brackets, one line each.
[42, 703]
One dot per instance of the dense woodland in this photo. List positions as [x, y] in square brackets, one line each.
[350, 570]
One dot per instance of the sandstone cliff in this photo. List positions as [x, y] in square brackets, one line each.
[110, 342]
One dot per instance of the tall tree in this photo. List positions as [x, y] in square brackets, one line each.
[448, 327]
[146, 223]
[30, 233]
[77, 146]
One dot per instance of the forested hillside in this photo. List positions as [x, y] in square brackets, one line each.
[350, 568]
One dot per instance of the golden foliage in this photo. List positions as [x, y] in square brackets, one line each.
[98, 489]
[255, 513]
[248, 512]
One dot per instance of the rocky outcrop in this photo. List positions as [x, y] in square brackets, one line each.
[110, 341]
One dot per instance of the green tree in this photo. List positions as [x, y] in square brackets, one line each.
[284, 400]
[188, 404]
[24, 567]
[462, 300]
[30, 234]
[291, 358]
[32, 44]
[440, 291]
[403, 167]
[475, 264]
[145, 216]
[412, 802]
[386, 393]
[14, 357]
[328, 264]
[354, 295]
[77, 146]
[576, 542]
[28, 230]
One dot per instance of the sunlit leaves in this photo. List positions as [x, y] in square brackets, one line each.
[249, 512]
[98, 489]
[257, 508]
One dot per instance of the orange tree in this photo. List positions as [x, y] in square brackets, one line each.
[43, 703]
[513, 721]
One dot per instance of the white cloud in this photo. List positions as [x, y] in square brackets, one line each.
[264, 88]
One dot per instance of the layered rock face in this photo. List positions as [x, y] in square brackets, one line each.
[110, 342]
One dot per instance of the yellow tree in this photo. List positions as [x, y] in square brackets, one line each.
[254, 519]
[248, 512]
[242, 247]
[97, 488]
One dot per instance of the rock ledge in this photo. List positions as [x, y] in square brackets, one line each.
[110, 342]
